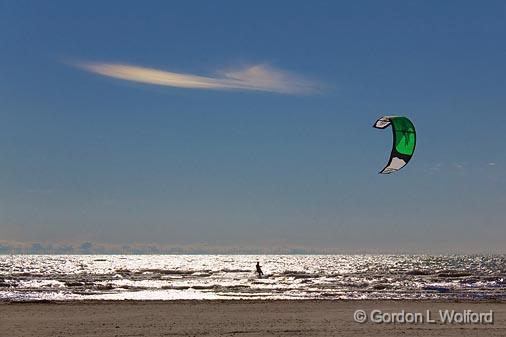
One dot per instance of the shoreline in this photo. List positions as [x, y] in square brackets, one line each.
[240, 318]
[239, 300]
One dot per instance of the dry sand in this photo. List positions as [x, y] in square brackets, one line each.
[234, 318]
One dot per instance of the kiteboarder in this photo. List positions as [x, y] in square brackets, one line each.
[259, 270]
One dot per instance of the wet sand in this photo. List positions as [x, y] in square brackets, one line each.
[236, 318]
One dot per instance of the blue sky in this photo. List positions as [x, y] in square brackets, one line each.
[92, 157]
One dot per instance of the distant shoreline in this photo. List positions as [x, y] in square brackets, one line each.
[261, 254]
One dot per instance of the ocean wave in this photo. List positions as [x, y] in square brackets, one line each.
[453, 273]
[169, 271]
[232, 270]
[299, 274]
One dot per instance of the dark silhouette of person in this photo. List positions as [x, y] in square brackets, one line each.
[259, 270]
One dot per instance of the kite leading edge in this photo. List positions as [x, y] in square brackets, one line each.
[404, 141]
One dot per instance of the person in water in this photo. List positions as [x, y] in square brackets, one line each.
[259, 270]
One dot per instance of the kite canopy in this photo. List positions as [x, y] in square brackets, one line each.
[404, 141]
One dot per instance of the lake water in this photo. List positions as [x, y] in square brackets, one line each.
[173, 277]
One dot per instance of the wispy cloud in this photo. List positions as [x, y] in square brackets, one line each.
[257, 78]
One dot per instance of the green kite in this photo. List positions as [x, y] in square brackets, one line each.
[404, 141]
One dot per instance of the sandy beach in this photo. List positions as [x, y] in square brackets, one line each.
[236, 318]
